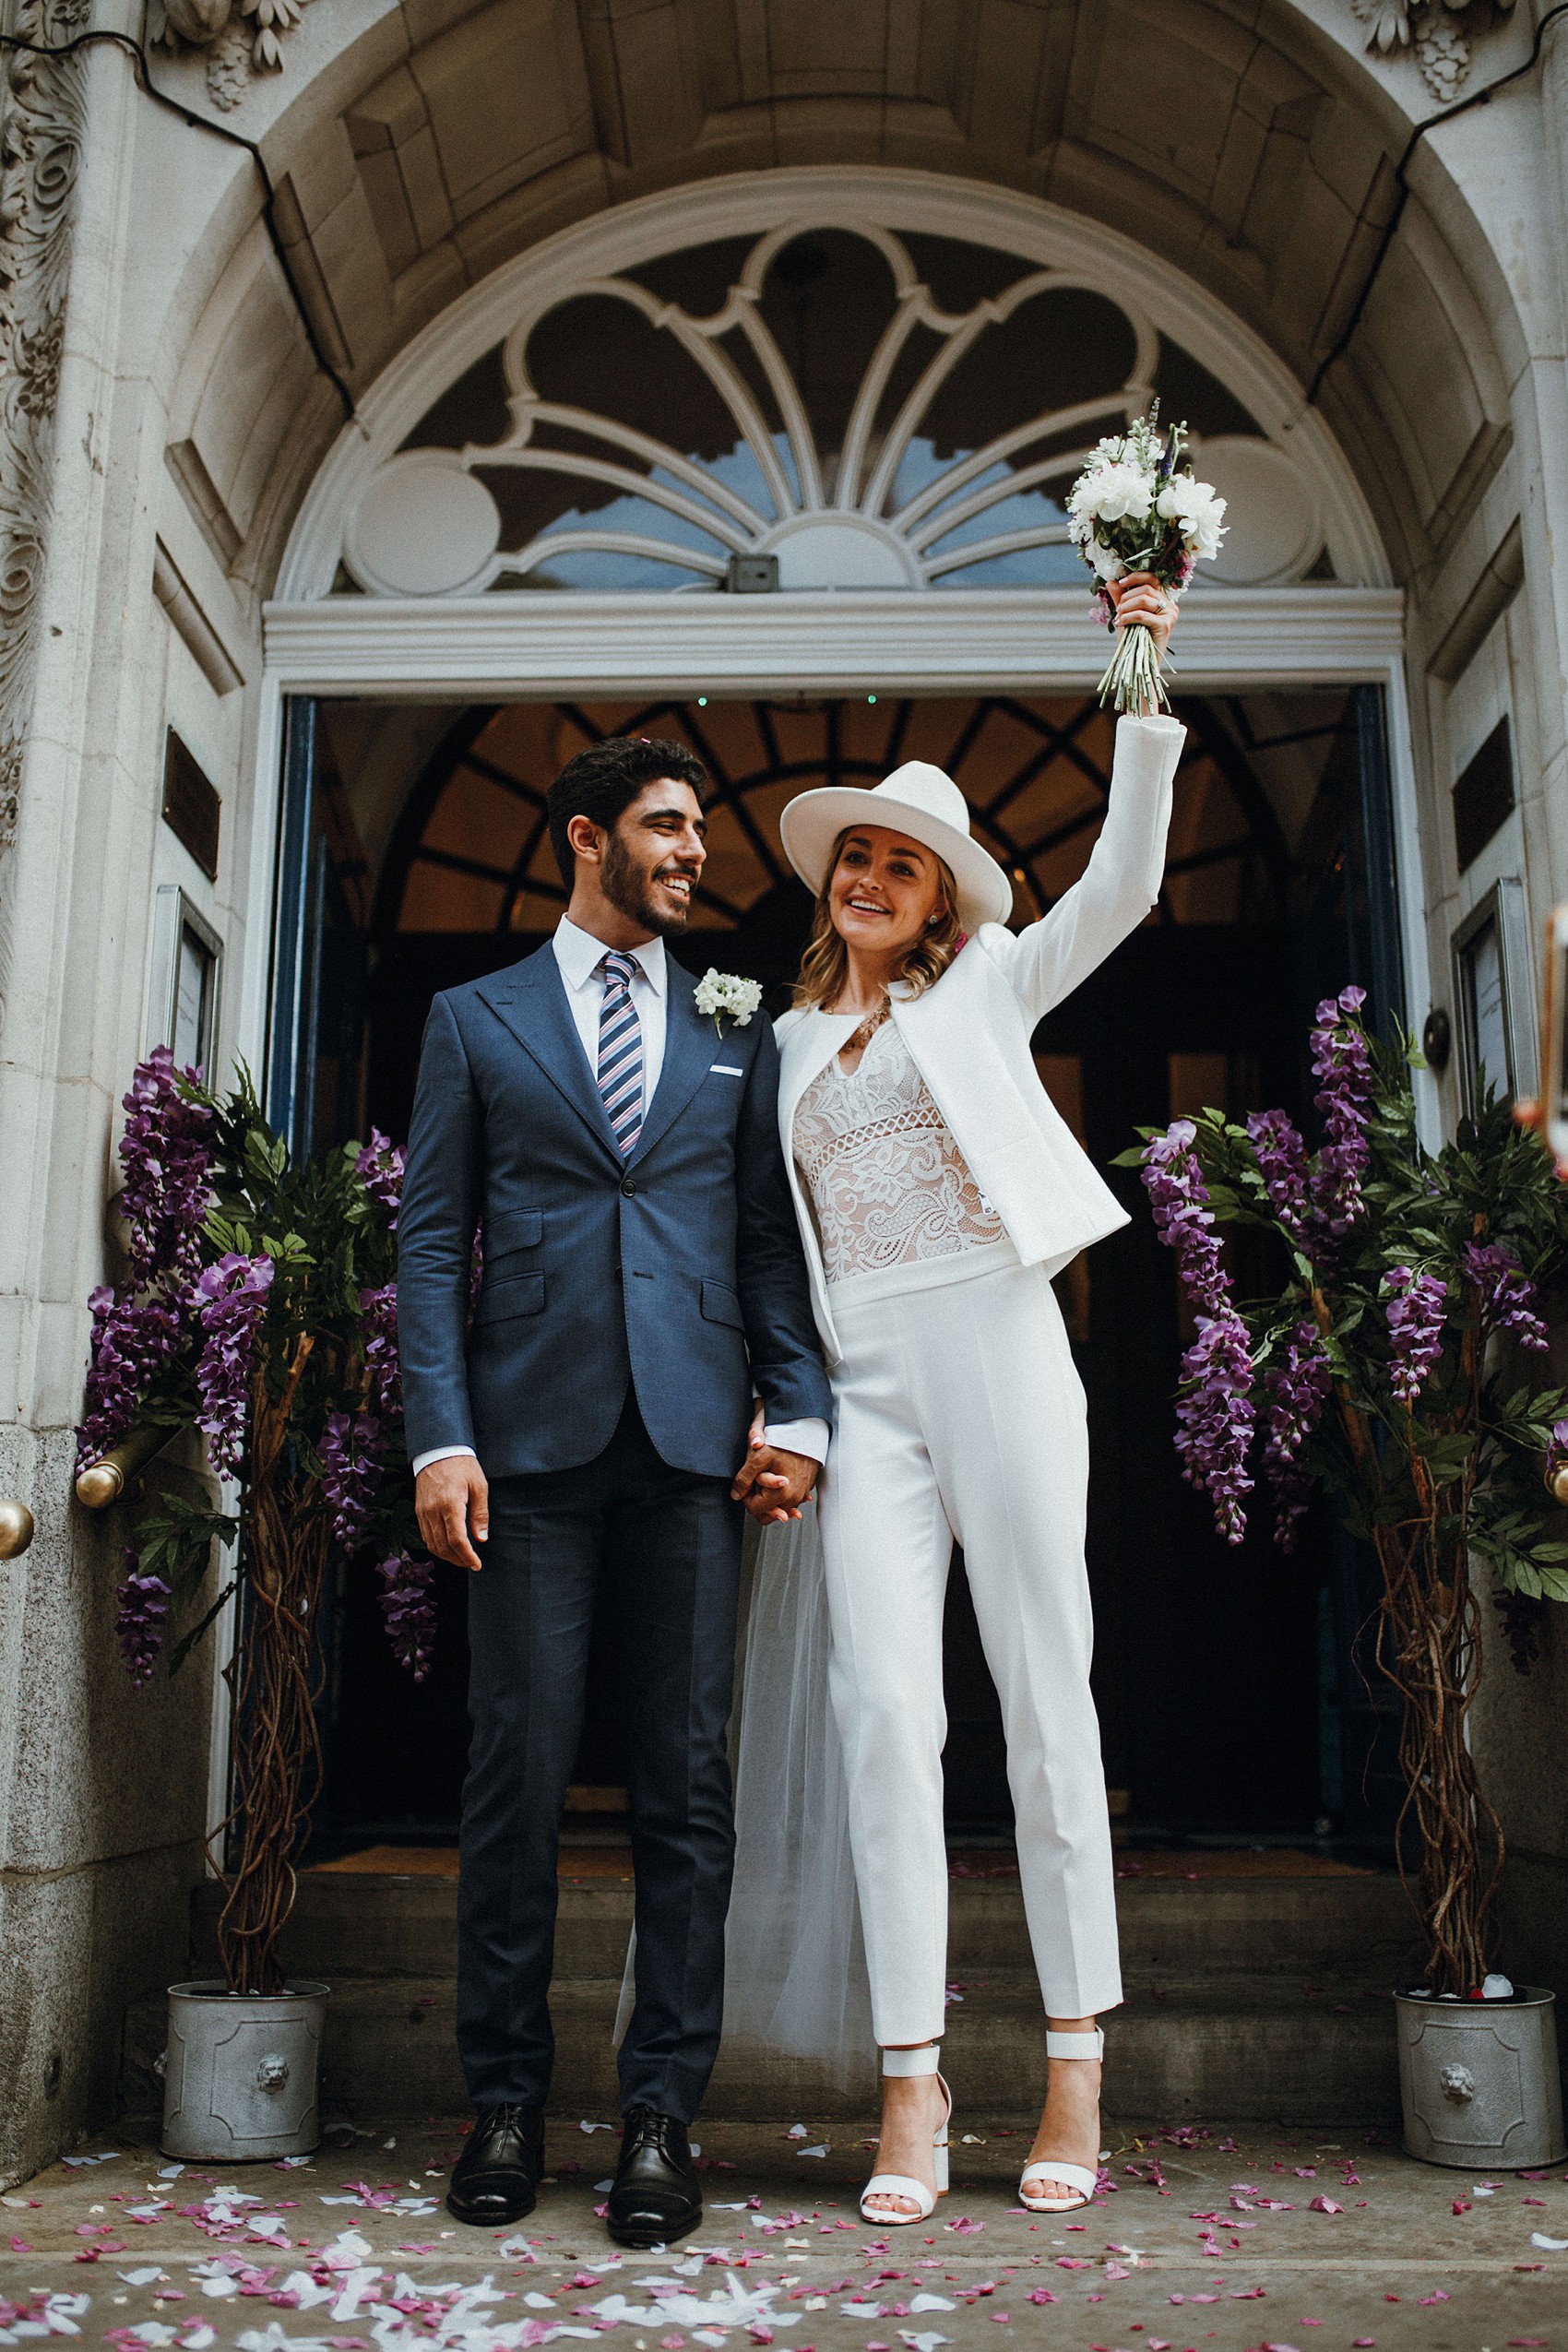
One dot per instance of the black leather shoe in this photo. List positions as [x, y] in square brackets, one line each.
[496, 2178]
[655, 2198]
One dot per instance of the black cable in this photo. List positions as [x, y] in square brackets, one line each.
[1449, 113]
[220, 131]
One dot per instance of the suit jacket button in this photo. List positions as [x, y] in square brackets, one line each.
[628, 1186]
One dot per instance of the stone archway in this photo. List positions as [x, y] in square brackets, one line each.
[700, 287]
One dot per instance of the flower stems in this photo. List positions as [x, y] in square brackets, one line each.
[1132, 680]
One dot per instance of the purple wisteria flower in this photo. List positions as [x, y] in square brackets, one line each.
[1414, 1311]
[1215, 1416]
[351, 1461]
[1342, 1066]
[166, 1152]
[380, 1164]
[1297, 1386]
[378, 1310]
[130, 1346]
[138, 1626]
[1507, 1294]
[407, 1606]
[1282, 1162]
[232, 1299]
[1182, 1217]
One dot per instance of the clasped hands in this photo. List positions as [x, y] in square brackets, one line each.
[772, 1482]
[452, 1497]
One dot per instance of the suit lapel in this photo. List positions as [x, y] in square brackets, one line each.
[689, 1043]
[530, 999]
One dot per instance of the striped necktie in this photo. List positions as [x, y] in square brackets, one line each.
[621, 1049]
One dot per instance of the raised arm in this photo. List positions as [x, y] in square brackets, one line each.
[1120, 884]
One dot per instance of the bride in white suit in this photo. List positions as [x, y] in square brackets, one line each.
[938, 1191]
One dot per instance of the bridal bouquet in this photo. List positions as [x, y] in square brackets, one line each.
[1133, 510]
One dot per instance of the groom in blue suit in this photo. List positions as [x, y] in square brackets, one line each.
[587, 1433]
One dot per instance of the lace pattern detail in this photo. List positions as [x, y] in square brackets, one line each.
[887, 1185]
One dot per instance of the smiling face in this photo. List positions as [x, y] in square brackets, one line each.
[650, 864]
[884, 891]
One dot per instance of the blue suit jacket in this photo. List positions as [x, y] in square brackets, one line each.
[679, 1268]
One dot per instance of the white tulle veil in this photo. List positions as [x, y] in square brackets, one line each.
[795, 1974]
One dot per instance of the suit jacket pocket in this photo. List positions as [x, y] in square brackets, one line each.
[719, 1304]
[515, 1294]
[512, 1228]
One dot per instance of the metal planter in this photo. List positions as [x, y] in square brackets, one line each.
[241, 2074]
[1478, 2081]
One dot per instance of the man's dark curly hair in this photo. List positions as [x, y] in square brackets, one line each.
[606, 778]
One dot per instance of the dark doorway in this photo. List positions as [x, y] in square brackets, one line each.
[1229, 1696]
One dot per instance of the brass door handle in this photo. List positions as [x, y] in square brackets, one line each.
[16, 1528]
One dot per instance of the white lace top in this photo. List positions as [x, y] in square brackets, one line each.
[887, 1185]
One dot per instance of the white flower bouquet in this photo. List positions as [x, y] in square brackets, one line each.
[719, 993]
[1134, 509]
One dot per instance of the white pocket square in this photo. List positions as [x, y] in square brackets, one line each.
[725, 1070]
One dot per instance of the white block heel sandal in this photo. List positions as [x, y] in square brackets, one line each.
[899, 2184]
[1077, 2177]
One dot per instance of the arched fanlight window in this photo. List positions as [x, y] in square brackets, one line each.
[859, 409]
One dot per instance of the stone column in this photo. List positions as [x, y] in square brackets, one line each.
[102, 1792]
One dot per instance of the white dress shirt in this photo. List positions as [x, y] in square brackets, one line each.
[578, 955]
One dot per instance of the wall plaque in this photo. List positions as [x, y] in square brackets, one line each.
[191, 806]
[1483, 796]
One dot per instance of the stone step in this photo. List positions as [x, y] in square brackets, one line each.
[1257, 1997]
[1246, 2047]
[350, 1926]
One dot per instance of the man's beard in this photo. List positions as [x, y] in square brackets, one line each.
[628, 890]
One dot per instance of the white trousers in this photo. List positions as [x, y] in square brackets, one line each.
[960, 1414]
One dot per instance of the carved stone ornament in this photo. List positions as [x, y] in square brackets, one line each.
[241, 37]
[42, 124]
[1440, 30]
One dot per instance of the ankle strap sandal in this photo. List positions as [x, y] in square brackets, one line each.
[897, 2064]
[1074, 2177]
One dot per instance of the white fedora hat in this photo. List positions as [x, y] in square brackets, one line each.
[916, 799]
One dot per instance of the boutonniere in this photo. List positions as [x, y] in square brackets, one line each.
[725, 993]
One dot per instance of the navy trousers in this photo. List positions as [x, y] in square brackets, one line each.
[663, 1546]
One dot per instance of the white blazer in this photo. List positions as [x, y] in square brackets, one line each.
[969, 1035]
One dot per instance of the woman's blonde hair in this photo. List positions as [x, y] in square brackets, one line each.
[824, 967]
